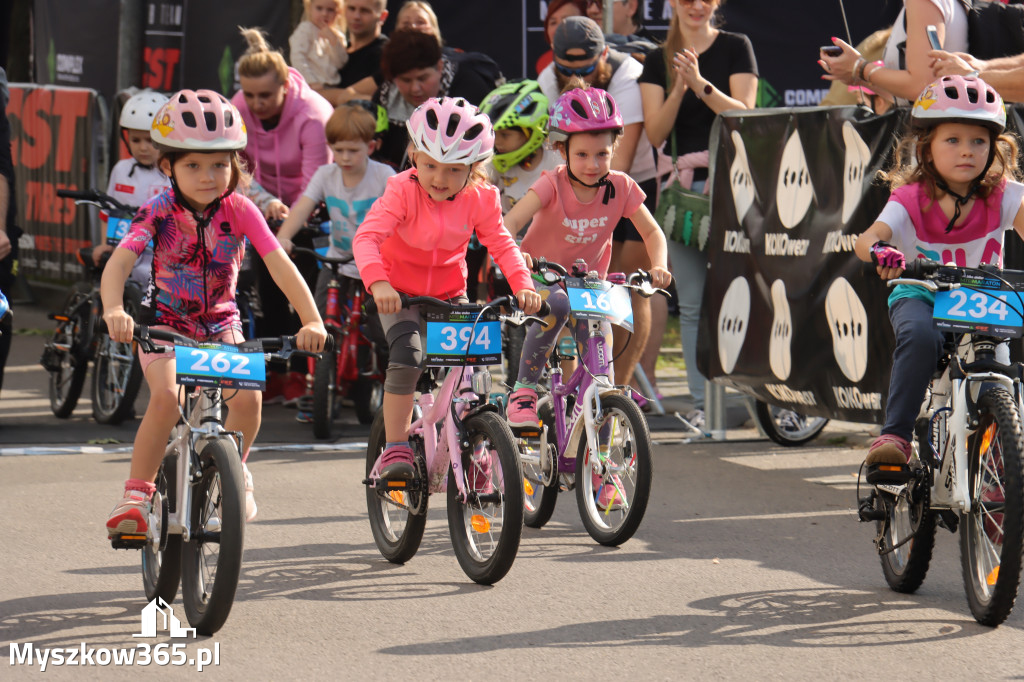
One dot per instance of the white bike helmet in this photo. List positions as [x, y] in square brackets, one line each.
[138, 112]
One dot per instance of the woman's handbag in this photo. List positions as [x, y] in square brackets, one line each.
[683, 214]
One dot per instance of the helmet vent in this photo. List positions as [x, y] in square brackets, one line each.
[972, 95]
[952, 93]
[473, 132]
[211, 120]
[189, 119]
[609, 104]
[453, 124]
[229, 119]
[204, 99]
[579, 109]
[432, 119]
[990, 96]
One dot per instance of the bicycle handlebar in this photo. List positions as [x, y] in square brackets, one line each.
[96, 198]
[330, 260]
[284, 346]
[638, 281]
[408, 301]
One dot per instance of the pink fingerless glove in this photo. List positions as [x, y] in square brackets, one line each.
[887, 256]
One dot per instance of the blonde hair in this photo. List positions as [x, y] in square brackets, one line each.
[426, 9]
[674, 42]
[350, 122]
[259, 59]
[912, 163]
[339, 19]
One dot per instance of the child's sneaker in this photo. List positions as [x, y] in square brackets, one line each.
[396, 463]
[522, 409]
[304, 417]
[129, 515]
[887, 460]
[480, 474]
[609, 497]
[250, 501]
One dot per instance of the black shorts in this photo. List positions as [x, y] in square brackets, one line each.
[625, 231]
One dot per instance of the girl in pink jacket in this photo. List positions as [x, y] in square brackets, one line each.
[414, 240]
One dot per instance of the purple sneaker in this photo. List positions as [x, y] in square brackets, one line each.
[396, 464]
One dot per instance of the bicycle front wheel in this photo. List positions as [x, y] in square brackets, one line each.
[116, 372]
[486, 528]
[65, 356]
[212, 558]
[613, 482]
[992, 534]
[161, 557]
[397, 531]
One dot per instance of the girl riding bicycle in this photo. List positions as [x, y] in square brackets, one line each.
[199, 226]
[414, 240]
[574, 210]
[953, 197]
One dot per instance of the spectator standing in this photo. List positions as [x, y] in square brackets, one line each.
[558, 11]
[9, 232]
[700, 72]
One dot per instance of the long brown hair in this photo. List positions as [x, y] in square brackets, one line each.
[912, 162]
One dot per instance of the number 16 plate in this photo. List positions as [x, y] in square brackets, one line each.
[981, 310]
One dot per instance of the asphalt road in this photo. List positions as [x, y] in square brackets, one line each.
[749, 564]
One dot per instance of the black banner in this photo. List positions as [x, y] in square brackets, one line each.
[790, 315]
[75, 43]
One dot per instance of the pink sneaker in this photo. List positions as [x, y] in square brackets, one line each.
[129, 515]
[522, 409]
[609, 497]
[397, 463]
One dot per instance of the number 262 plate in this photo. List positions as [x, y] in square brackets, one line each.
[981, 310]
[218, 364]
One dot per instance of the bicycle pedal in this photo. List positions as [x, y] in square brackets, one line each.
[125, 541]
[526, 431]
[888, 473]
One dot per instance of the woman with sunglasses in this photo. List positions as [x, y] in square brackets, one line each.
[580, 52]
[700, 72]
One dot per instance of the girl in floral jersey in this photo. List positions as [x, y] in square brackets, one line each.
[199, 226]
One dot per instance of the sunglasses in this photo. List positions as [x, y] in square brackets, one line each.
[582, 71]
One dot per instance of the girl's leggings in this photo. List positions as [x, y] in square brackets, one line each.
[540, 339]
[403, 331]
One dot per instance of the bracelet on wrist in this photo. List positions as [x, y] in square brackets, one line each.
[705, 91]
[858, 69]
[868, 74]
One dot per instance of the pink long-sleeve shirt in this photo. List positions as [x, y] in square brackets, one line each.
[418, 245]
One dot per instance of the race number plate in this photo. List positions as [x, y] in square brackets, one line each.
[457, 338]
[117, 228]
[982, 310]
[218, 364]
[599, 300]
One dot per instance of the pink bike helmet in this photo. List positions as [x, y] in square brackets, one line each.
[451, 130]
[198, 121]
[959, 99]
[589, 110]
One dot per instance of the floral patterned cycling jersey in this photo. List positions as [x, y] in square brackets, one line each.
[195, 272]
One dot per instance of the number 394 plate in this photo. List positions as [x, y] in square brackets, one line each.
[996, 312]
[457, 338]
[218, 364]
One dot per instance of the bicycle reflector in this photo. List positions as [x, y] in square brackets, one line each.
[479, 523]
[987, 438]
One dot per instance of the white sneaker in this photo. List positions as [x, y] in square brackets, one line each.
[250, 501]
[696, 418]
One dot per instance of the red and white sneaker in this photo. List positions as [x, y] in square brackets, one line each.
[129, 515]
[250, 501]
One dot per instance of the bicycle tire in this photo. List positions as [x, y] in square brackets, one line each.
[325, 394]
[397, 532]
[906, 566]
[66, 382]
[768, 419]
[161, 559]
[628, 449]
[116, 371]
[368, 391]
[486, 532]
[994, 528]
[538, 499]
[208, 583]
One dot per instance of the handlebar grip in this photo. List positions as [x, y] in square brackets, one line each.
[87, 195]
[545, 309]
[920, 268]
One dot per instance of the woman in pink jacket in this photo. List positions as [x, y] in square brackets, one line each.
[284, 118]
[414, 241]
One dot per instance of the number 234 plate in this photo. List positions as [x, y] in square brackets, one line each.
[981, 310]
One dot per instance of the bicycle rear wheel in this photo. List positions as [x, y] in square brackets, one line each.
[116, 372]
[907, 537]
[487, 527]
[368, 391]
[161, 557]
[992, 533]
[65, 355]
[397, 532]
[539, 499]
[787, 427]
[325, 393]
[623, 461]
[212, 558]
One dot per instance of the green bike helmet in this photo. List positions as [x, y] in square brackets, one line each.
[518, 104]
[375, 110]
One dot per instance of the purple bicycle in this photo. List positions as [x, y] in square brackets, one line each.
[593, 436]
